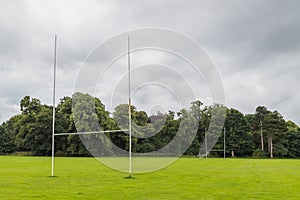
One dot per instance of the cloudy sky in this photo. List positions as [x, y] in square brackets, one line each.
[254, 44]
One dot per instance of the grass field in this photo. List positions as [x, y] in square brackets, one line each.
[187, 178]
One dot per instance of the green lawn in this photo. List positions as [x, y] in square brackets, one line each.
[187, 178]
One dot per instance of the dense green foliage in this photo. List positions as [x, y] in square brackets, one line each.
[188, 178]
[262, 134]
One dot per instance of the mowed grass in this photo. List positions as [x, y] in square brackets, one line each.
[187, 178]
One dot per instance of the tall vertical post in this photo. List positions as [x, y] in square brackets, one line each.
[129, 109]
[224, 143]
[53, 111]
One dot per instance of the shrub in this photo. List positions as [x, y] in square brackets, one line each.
[258, 153]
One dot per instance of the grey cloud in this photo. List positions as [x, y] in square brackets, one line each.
[254, 44]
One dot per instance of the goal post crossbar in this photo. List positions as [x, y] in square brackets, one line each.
[217, 150]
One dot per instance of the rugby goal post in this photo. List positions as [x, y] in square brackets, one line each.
[214, 150]
[92, 132]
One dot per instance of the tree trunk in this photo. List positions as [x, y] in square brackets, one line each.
[271, 147]
[261, 136]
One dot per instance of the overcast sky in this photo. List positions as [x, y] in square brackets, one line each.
[254, 44]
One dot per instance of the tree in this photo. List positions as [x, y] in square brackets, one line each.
[7, 136]
[260, 117]
[121, 118]
[239, 140]
[197, 113]
[273, 126]
[292, 142]
[276, 132]
[24, 103]
[31, 130]
[64, 123]
[89, 115]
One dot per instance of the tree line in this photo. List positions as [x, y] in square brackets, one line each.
[264, 133]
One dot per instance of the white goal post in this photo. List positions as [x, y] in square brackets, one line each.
[92, 132]
[212, 150]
